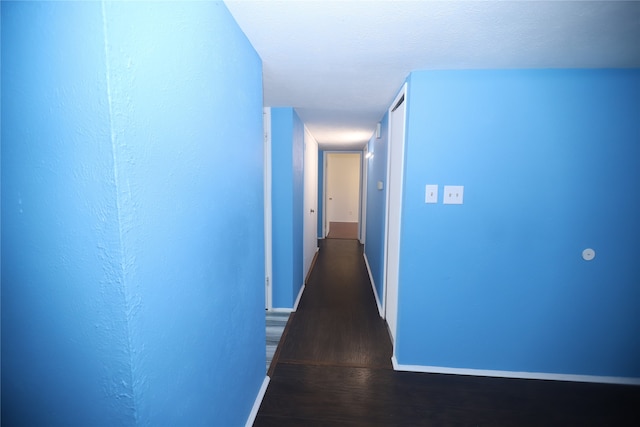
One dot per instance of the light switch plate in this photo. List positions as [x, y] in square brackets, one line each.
[431, 194]
[453, 194]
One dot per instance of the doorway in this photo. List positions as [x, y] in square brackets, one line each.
[342, 195]
[395, 166]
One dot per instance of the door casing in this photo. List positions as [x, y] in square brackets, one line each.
[395, 168]
[325, 195]
[268, 237]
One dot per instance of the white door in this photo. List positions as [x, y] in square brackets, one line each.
[394, 201]
[342, 197]
[310, 221]
[267, 208]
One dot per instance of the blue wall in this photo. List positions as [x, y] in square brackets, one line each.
[132, 259]
[287, 162]
[550, 161]
[65, 353]
[377, 205]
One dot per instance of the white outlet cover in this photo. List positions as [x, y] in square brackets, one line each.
[588, 254]
[453, 194]
[431, 194]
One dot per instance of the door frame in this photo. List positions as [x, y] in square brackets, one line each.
[364, 173]
[325, 158]
[310, 213]
[393, 226]
[268, 231]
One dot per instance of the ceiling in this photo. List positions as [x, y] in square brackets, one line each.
[340, 63]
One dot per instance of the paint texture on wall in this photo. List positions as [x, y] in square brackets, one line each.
[66, 358]
[376, 206]
[549, 160]
[287, 153]
[132, 199]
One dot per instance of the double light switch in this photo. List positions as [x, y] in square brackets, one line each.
[453, 194]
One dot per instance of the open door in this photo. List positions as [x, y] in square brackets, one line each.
[342, 194]
[395, 167]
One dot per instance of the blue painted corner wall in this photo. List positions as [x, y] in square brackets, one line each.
[287, 157]
[132, 226]
[550, 163]
[65, 350]
[377, 206]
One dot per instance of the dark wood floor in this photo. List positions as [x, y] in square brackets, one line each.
[343, 230]
[333, 369]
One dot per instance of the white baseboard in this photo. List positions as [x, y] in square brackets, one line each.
[515, 374]
[373, 284]
[295, 305]
[258, 402]
[280, 310]
[286, 309]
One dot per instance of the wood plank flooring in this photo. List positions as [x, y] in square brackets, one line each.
[337, 322]
[334, 369]
[343, 230]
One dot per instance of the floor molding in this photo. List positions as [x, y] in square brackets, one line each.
[313, 263]
[515, 374]
[258, 402]
[295, 305]
[373, 284]
[280, 310]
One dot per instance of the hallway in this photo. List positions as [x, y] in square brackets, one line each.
[334, 369]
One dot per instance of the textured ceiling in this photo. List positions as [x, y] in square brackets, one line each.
[340, 63]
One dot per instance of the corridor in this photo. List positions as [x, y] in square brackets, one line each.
[333, 368]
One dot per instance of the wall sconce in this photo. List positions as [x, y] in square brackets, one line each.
[368, 155]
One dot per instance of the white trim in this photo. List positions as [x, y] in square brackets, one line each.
[295, 306]
[324, 225]
[325, 222]
[396, 367]
[268, 235]
[403, 93]
[310, 202]
[258, 402]
[364, 167]
[280, 310]
[373, 285]
[515, 374]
